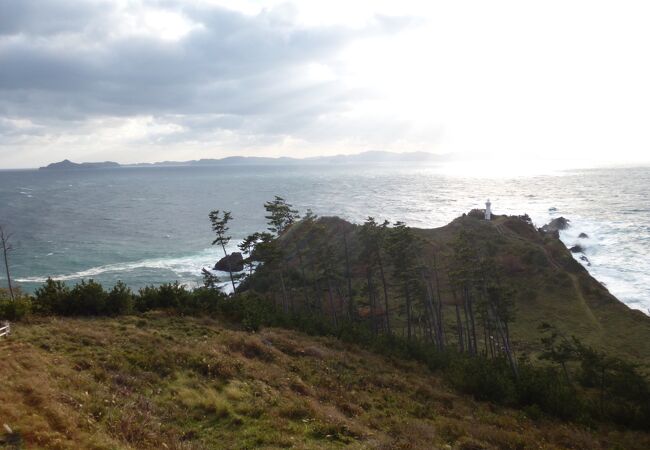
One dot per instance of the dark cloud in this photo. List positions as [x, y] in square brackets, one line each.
[62, 63]
[47, 18]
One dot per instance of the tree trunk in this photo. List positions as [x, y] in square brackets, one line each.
[441, 327]
[383, 282]
[408, 310]
[5, 250]
[371, 300]
[566, 373]
[485, 337]
[285, 305]
[468, 327]
[431, 311]
[506, 344]
[459, 330]
[232, 279]
[331, 298]
[470, 308]
[304, 277]
[348, 275]
[602, 391]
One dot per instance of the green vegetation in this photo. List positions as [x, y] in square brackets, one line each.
[498, 310]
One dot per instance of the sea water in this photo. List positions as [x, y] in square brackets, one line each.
[150, 225]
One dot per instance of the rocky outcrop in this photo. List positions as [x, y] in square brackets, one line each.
[583, 236]
[577, 249]
[233, 262]
[555, 225]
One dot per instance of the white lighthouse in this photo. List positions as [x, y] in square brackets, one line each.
[488, 210]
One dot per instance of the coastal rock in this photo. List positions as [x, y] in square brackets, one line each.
[577, 249]
[585, 259]
[233, 262]
[556, 225]
[583, 236]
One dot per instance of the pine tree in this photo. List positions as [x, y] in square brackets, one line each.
[281, 215]
[247, 246]
[401, 249]
[372, 240]
[220, 227]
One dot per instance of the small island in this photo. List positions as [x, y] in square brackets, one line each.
[66, 164]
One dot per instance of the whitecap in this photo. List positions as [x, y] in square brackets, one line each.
[181, 266]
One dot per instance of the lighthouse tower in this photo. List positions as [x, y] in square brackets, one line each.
[488, 210]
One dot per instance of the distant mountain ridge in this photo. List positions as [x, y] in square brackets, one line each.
[364, 157]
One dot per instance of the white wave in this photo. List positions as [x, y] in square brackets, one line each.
[182, 267]
[609, 250]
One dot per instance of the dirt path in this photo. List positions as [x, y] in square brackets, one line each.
[574, 279]
[583, 300]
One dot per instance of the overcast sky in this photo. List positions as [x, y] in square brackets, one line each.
[154, 80]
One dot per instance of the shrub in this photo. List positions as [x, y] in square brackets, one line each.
[14, 309]
[249, 309]
[51, 297]
[87, 298]
[484, 379]
[146, 299]
[168, 295]
[120, 300]
[545, 389]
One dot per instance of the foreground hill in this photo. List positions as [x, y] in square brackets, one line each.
[156, 381]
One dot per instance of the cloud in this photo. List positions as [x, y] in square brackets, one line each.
[203, 68]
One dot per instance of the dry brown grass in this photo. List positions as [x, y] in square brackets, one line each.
[182, 383]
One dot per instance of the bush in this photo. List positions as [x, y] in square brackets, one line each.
[146, 299]
[15, 309]
[168, 295]
[51, 297]
[545, 389]
[87, 298]
[484, 379]
[120, 300]
[249, 309]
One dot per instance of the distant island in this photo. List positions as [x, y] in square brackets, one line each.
[364, 157]
[66, 164]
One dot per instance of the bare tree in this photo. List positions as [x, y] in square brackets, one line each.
[6, 248]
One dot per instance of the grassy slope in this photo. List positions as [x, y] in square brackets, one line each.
[550, 285]
[553, 287]
[169, 382]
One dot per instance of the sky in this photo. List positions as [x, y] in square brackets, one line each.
[153, 80]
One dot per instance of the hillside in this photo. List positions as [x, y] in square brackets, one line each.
[156, 381]
[548, 285]
[551, 286]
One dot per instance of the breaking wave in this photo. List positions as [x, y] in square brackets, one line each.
[183, 267]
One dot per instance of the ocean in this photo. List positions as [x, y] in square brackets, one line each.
[150, 225]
